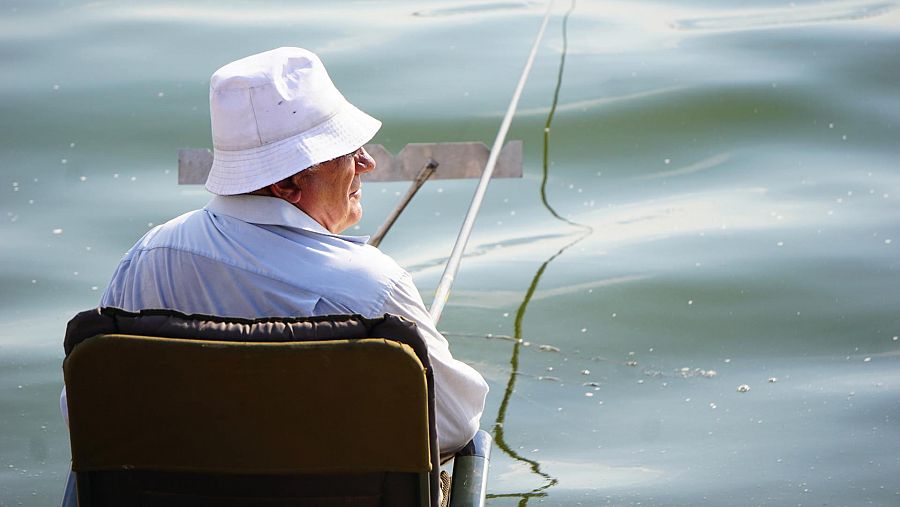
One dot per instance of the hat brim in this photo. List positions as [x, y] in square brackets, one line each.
[242, 171]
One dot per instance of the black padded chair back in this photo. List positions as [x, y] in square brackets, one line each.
[167, 409]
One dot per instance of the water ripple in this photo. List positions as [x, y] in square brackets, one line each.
[469, 9]
[702, 165]
[773, 18]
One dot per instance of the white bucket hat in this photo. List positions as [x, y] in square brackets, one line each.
[275, 114]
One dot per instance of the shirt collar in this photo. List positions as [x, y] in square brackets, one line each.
[264, 210]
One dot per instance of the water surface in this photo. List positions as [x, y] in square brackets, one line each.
[736, 166]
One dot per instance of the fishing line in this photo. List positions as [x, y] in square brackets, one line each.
[442, 293]
[546, 160]
[499, 435]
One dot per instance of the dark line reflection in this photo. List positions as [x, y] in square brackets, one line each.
[585, 231]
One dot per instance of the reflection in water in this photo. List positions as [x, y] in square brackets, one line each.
[499, 434]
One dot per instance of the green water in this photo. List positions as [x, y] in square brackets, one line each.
[735, 162]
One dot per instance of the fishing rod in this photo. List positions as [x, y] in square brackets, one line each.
[442, 293]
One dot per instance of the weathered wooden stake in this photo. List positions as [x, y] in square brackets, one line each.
[423, 176]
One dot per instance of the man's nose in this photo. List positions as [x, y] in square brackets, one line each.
[364, 162]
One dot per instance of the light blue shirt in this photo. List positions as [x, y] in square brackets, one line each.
[255, 256]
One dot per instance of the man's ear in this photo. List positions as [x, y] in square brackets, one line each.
[287, 189]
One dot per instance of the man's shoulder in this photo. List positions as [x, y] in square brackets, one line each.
[376, 258]
[176, 230]
[360, 258]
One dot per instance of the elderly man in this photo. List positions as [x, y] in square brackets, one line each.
[286, 174]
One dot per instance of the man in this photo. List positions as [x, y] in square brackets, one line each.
[286, 173]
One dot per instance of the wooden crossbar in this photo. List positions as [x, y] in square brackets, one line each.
[456, 161]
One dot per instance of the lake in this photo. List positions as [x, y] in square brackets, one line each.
[703, 308]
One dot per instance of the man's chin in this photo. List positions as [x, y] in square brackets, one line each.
[355, 217]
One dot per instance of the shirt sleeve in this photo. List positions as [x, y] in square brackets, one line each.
[460, 391]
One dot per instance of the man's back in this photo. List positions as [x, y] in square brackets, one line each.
[252, 256]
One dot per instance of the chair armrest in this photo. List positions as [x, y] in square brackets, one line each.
[70, 495]
[470, 470]
[480, 446]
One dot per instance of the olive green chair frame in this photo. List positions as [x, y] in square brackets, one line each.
[167, 409]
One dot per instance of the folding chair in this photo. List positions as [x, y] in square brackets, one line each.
[167, 409]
